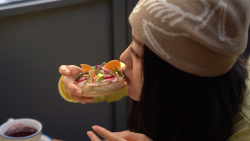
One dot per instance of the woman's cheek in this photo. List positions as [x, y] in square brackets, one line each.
[138, 88]
[138, 78]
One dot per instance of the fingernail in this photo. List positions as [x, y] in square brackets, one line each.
[78, 93]
[89, 133]
[95, 128]
[67, 72]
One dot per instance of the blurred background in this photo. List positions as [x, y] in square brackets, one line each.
[2, 2]
[36, 37]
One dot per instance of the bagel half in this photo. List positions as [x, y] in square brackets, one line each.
[93, 86]
[102, 89]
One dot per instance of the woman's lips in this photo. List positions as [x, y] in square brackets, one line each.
[125, 78]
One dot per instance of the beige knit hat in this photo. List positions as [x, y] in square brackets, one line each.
[201, 37]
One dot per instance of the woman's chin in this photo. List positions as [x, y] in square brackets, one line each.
[133, 95]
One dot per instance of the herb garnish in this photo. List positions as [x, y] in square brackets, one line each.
[86, 81]
[99, 80]
[117, 71]
[110, 72]
[80, 74]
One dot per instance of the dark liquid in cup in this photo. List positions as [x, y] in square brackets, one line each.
[20, 130]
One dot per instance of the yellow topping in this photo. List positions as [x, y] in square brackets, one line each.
[122, 64]
[99, 75]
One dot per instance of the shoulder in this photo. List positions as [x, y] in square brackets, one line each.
[241, 123]
[241, 129]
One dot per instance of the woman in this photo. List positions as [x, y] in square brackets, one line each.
[185, 77]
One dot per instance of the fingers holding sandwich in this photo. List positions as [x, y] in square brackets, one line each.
[74, 92]
[69, 73]
[70, 87]
[82, 99]
[70, 70]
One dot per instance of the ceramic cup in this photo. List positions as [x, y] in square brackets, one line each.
[26, 122]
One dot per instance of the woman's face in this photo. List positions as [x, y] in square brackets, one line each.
[131, 57]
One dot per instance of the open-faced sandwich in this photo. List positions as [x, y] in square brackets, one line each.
[100, 80]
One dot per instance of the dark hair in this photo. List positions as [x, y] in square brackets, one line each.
[178, 106]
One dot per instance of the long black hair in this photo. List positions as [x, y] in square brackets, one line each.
[178, 106]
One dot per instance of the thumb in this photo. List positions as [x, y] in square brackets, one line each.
[131, 136]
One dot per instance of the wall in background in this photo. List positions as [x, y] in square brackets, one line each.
[36, 42]
[34, 45]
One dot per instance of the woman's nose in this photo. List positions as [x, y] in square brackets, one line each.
[126, 58]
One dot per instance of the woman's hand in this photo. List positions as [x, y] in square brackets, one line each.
[116, 136]
[74, 92]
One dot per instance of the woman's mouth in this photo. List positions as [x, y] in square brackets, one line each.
[125, 78]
